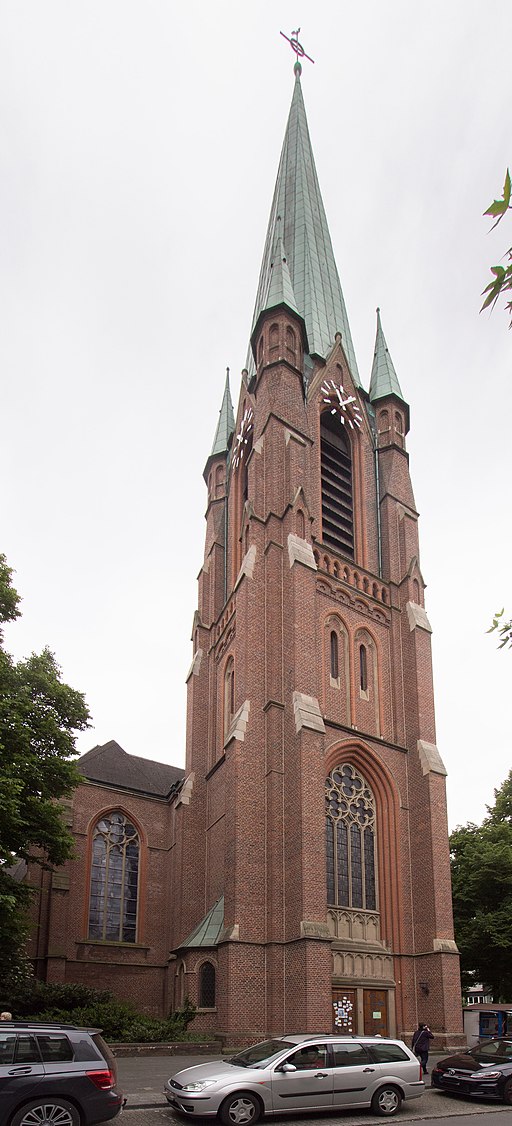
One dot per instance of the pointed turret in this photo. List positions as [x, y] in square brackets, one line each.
[384, 379]
[224, 431]
[226, 423]
[305, 235]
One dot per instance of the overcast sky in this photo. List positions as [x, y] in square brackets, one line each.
[139, 148]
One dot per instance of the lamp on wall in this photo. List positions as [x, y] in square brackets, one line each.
[424, 988]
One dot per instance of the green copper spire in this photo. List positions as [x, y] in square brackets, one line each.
[305, 236]
[226, 423]
[280, 289]
[384, 378]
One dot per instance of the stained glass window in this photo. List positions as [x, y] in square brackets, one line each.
[114, 879]
[350, 839]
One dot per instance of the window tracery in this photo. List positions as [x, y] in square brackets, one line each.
[350, 833]
[114, 885]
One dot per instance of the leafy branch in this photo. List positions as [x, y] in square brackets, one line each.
[502, 280]
[504, 629]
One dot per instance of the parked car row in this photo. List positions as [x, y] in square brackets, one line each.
[61, 1075]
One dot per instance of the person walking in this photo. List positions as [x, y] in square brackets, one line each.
[421, 1044]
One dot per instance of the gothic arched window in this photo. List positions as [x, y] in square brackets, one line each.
[350, 835]
[337, 497]
[207, 986]
[114, 879]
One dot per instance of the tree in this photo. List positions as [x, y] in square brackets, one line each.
[38, 717]
[502, 281]
[482, 896]
[504, 629]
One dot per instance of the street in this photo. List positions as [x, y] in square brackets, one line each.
[142, 1079]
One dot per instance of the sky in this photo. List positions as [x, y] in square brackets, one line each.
[139, 146]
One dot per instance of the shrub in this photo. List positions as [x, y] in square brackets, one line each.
[34, 997]
[94, 1008]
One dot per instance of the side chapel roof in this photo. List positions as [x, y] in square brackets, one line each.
[112, 766]
[208, 931]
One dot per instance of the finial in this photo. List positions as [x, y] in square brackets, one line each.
[293, 40]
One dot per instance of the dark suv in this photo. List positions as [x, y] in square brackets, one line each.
[55, 1075]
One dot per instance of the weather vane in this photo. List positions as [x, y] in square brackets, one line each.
[296, 46]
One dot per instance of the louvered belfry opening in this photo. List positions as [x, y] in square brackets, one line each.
[337, 499]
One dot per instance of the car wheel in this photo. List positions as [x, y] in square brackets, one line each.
[239, 1110]
[387, 1101]
[47, 1112]
[507, 1092]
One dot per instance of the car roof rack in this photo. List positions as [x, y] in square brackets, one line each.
[38, 1024]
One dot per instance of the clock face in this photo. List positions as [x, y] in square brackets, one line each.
[243, 436]
[342, 404]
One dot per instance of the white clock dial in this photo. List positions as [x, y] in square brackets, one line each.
[243, 436]
[341, 403]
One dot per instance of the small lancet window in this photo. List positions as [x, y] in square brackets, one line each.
[291, 342]
[334, 655]
[207, 986]
[363, 668]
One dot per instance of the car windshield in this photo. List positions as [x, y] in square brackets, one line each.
[491, 1051]
[261, 1054]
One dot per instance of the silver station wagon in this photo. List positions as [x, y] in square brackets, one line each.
[299, 1073]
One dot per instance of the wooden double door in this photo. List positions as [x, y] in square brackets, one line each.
[349, 1005]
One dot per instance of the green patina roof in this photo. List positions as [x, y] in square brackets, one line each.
[207, 933]
[226, 423]
[384, 379]
[280, 289]
[305, 236]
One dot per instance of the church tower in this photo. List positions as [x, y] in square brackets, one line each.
[310, 858]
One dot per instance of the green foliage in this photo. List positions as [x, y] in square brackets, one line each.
[15, 968]
[39, 715]
[504, 629]
[502, 280]
[94, 1008]
[482, 896]
[33, 997]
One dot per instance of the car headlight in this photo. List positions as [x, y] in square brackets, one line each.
[486, 1075]
[198, 1086]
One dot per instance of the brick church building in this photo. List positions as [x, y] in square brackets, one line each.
[295, 875]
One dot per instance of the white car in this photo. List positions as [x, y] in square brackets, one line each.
[299, 1073]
